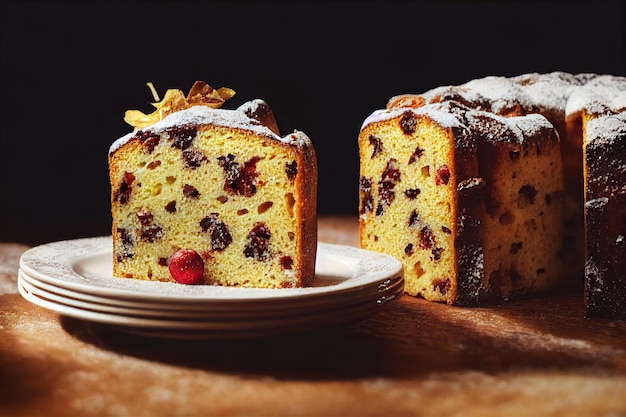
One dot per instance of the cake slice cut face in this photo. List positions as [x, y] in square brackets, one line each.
[413, 164]
[223, 185]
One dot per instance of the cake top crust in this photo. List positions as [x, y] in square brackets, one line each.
[491, 126]
[602, 95]
[606, 129]
[202, 115]
[435, 111]
[561, 94]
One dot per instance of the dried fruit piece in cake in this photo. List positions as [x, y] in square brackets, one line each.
[218, 183]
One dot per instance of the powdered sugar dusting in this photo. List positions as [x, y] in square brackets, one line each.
[251, 106]
[433, 111]
[559, 95]
[531, 125]
[606, 129]
[502, 93]
[550, 91]
[199, 115]
[601, 95]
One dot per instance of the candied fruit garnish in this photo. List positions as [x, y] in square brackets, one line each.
[377, 144]
[443, 175]
[408, 122]
[186, 266]
[218, 231]
[258, 246]
[239, 180]
[201, 94]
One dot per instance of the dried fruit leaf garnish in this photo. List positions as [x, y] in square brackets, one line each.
[201, 94]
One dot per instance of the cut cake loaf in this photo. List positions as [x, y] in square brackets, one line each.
[577, 106]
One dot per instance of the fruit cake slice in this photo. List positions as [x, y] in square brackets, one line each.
[215, 196]
[418, 179]
[470, 202]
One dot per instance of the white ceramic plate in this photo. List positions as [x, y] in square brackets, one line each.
[85, 265]
[86, 302]
[74, 278]
[220, 329]
[250, 308]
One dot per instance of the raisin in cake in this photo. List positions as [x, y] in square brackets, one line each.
[469, 201]
[565, 100]
[221, 183]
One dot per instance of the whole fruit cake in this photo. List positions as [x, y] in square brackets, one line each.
[483, 192]
[201, 194]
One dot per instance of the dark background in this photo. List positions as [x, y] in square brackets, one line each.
[71, 69]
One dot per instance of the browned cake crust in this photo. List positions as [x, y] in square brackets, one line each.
[605, 215]
[562, 99]
[223, 184]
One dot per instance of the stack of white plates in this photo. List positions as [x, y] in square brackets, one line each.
[74, 278]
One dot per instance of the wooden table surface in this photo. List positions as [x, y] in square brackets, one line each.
[536, 357]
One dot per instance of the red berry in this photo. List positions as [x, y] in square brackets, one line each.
[186, 266]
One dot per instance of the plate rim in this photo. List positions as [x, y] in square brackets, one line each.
[52, 294]
[57, 256]
[359, 310]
